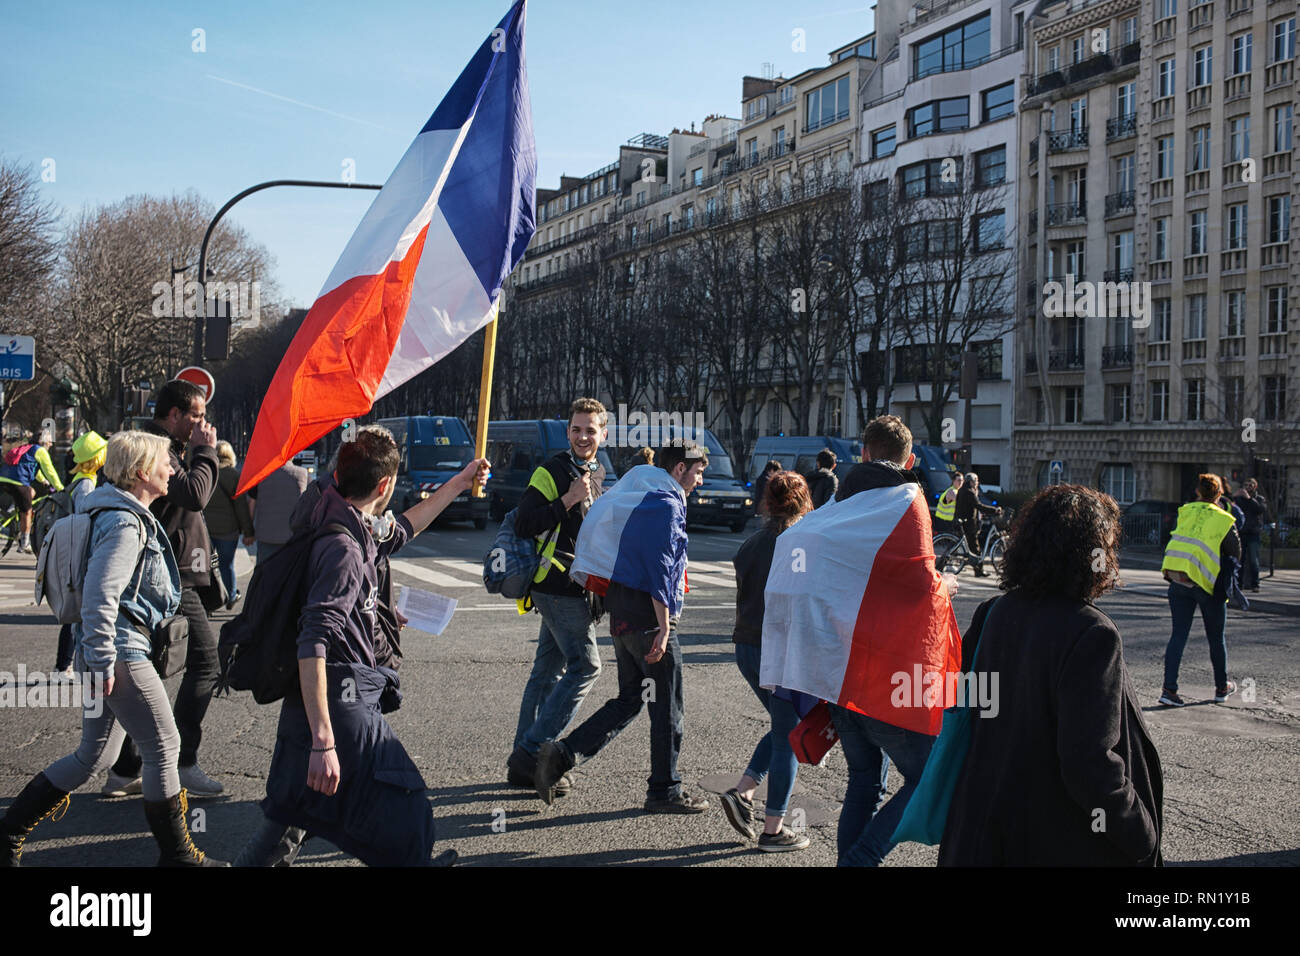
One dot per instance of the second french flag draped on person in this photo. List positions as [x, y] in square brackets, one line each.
[424, 269]
[856, 614]
[635, 534]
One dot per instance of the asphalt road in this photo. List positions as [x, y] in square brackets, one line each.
[1231, 771]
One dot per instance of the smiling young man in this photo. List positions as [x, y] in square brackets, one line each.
[567, 662]
[643, 624]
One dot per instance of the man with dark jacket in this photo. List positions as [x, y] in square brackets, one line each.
[1255, 508]
[179, 415]
[272, 503]
[378, 812]
[968, 503]
[822, 483]
[567, 663]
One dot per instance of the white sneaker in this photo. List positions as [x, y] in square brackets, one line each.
[198, 783]
[65, 676]
[116, 786]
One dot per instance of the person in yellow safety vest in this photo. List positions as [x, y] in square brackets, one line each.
[947, 507]
[89, 453]
[22, 465]
[1200, 563]
[567, 662]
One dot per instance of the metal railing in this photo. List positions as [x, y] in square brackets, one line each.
[1119, 202]
[1115, 356]
[1063, 212]
[1074, 138]
[1120, 127]
[1117, 275]
[1059, 360]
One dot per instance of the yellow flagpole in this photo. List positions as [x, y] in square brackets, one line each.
[485, 392]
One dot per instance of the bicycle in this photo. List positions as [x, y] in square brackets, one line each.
[9, 524]
[952, 554]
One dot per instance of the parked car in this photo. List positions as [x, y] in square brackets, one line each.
[1149, 522]
[433, 449]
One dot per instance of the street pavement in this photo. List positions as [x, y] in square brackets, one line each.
[1231, 770]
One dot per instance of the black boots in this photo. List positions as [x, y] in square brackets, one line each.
[39, 799]
[167, 821]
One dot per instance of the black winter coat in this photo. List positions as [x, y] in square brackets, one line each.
[1065, 774]
[180, 511]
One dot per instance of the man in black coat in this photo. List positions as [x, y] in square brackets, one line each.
[968, 504]
[822, 483]
[1255, 508]
[180, 410]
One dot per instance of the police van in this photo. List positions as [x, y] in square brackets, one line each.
[433, 449]
[799, 453]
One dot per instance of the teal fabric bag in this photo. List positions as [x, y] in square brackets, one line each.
[927, 812]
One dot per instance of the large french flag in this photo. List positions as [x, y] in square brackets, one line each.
[635, 534]
[856, 614]
[424, 269]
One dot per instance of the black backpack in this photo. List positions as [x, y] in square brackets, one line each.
[258, 648]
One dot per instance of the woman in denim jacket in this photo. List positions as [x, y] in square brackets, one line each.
[132, 584]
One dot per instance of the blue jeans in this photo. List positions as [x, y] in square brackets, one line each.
[773, 752]
[226, 548]
[866, 828]
[1250, 561]
[566, 665]
[661, 682]
[1183, 602]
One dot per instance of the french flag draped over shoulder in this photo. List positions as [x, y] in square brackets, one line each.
[424, 269]
[635, 534]
[856, 614]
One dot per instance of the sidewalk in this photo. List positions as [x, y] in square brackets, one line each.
[1279, 594]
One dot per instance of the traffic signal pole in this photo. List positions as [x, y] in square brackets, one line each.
[203, 249]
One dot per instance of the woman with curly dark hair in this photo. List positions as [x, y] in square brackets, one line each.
[786, 499]
[1061, 770]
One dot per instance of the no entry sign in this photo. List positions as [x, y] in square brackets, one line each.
[200, 377]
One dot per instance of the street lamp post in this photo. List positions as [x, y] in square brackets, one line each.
[203, 249]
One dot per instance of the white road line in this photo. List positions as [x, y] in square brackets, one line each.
[429, 576]
[711, 580]
[472, 568]
[713, 567]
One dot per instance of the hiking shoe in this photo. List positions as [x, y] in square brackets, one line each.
[553, 761]
[1171, 699]
[198, 783]
[740, 813]
[521, 767]
[1223, 693]
[783, 841]
[119, 786]
[682, 803]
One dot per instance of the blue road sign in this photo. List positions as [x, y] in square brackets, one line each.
[17, 358]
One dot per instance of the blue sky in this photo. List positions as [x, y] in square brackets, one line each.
[114, 93]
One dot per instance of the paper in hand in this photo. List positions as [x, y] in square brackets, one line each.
[425, 610]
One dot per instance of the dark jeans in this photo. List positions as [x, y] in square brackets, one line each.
[663, 687]
[67, 647]
[772, 753]
[226, 549]
[866, 828]
[1249, 561]
[1183, 602]
[201, 671]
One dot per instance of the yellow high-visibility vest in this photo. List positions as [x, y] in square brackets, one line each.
[543, 481]
[1194, 546]
[947, 508]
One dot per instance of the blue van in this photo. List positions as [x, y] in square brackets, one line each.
[434, 448]
[516, 448]
[799, 453]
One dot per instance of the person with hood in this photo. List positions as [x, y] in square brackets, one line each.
[132, 584]
[1061, 770]
[822, 483]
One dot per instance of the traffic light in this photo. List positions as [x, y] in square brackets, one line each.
[216, 337]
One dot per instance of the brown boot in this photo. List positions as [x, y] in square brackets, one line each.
[167, 821]
[39, 799]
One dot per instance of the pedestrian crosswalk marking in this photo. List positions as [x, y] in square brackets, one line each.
[430, 576]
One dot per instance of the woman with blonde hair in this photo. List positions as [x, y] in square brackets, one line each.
[132, 585]
[228, 518]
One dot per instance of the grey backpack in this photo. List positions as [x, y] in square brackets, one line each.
[61, 567]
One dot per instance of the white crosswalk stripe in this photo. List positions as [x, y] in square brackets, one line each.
[430, 576]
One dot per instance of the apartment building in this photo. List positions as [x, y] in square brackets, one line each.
[944, 98]
[1161, 174]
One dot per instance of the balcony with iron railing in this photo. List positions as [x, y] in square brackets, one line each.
[1064, 213]
[1065, 360]
[1117, 275]
[1121, 127]
[1059, 141]
[1116, 356]
[1086, 69]
[1120, 203]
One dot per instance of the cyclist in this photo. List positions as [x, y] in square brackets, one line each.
[946, 510]
[968, 504]
[23, 463]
